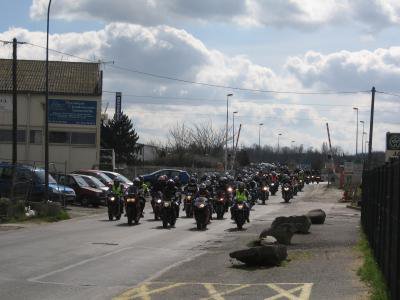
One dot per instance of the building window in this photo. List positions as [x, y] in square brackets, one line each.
[59, 137]
[83, 138]
[35, 137]
[6, 136]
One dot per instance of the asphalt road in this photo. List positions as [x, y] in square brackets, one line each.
[93, 258]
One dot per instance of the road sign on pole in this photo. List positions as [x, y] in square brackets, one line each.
[392, 145]
[118, 109]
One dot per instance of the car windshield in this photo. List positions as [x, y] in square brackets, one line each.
[113, 176]
[93, 181]
[102, 177]
[40, 176]
[80, 181]
[123, 178]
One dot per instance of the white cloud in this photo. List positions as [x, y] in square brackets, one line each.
[169, 51]
[299, 14]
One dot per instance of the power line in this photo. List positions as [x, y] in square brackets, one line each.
[327, 92]
[388, 93]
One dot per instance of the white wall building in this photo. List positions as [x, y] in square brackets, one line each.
[75, 91]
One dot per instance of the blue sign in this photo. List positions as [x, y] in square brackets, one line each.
[72, 112]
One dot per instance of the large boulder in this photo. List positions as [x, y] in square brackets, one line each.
[301, 224]
[271, 255]
[317, 216]
[282, 233]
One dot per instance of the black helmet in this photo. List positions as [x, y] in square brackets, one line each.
[136, 181]
[202, 187]
[241, 186]
[170, 183]
[141, 178]
[193, 180]
[162, 178]
[117, 181]
[176, 179]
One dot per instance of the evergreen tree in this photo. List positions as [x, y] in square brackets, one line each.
[122, 137]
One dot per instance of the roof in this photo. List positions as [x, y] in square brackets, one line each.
[65, 78]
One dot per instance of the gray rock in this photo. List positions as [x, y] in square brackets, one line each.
[271, 255]
[301, 224]
[268, 240]
[317, 216]
[282, 233]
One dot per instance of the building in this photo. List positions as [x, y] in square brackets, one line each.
[75, 91]
[147, 153]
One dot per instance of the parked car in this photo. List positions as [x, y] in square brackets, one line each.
[97, 174]
[31, 181]
[171, 173]
[85, 194]
[95, 183]
[114, 175]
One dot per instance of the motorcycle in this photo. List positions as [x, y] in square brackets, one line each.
[177, 203]
[301, 185]
[168, 213]
[229, 196]
[114, 207]
[307, 179]
[157, 203]
[220, 205]
[273, 188]
[317, 179]
[239, 212]
[286, 193]
[133, 208]
[254, 196]
[201, 213]
[188, 205]
[264, 194]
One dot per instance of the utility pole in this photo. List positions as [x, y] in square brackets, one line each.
[14, 116]
[356, 109]
[226, 133]
[362, 139]
[259, 135]
[371, 127]
[46, 112]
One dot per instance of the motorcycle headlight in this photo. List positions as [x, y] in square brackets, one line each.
[221, 199]
[166, 204]
[159, 201]
[131, 200]
[189, 197]
[230, 189]
[286, 189]
[272, 184]
[240, 206]
[265, 188]
[201, 205]
[112, 198]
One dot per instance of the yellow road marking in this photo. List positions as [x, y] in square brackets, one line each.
[144, 291]
[214, 294]
[288, 294]
[140, 293]
[238, 288]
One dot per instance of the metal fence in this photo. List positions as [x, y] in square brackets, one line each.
[381, 220]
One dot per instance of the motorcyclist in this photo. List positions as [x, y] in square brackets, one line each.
[203, 192]
[137, 189]
[118, 191]
[158, 187]
[143, 185]
[242, 196]
[170, 190]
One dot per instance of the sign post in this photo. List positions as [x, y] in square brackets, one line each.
[392, 145]
[118, 109]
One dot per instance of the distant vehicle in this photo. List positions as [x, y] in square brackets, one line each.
[114, 175]
[95, 183]
[33, 180]
[171, 173]
[106, 180]
[85, 194]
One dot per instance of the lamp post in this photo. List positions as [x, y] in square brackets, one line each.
[226, 133]
[356, 109]
[362, 138]
[279, 134]
[233, 130]
[259, 135]
[46, 112]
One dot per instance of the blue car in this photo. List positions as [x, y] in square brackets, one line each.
[171, 173]
[31, 181]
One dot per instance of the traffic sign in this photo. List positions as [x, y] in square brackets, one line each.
[392, 145]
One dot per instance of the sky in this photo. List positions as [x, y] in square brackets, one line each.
[245, 47]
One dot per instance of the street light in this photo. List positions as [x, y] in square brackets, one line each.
[362, 138]
[259, 135]
[279, 134]
[233, 130]
[356, 109]
[226, 133]
[46, 111]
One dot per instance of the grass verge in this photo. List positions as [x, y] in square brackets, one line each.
[370, 273]
[62, 215]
